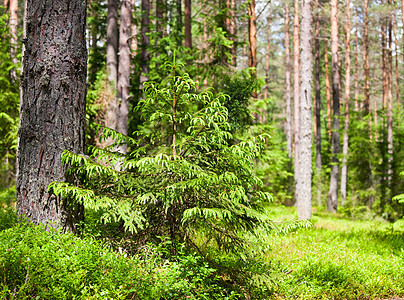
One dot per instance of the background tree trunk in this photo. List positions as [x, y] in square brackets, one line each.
[356, 73]
[287, 85]
[252, 36]
[13, 37]
[52, 108]
[296, 88]
[112, 43]
[124, 69]
[188, 24]
[303, 183]
[344, 169]
[327, 88]
[366, 60]
[318, 104]
[145, 41]
[332, 197]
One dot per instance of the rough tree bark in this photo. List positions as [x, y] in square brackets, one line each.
[332, 197]
[287, 85]
[318, 104]
[303, 183]
[52, 107]
[188, 23]
[344, 169]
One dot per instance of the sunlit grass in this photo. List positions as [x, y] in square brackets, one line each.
[338, 258]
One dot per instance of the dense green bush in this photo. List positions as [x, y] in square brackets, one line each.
[36, 263]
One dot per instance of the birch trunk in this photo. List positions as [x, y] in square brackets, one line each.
[52, 106]
[303, 183]
[366, 60]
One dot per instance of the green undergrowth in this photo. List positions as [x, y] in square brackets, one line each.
[36, 263]
[338, 258]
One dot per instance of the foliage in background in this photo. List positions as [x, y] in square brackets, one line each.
[9, 101]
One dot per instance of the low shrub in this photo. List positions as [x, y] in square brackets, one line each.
[40, 263]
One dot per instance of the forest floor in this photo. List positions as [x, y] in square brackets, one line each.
[338, 258]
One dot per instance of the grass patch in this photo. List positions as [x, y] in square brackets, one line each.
[338, 258]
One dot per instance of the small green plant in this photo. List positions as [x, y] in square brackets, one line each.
[180, 177]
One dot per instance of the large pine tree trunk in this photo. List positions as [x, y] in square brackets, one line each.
[303, 183]
[52, 108]
[188, 24]
[332, 197]
[13, 37]
[344, 169]
[124, 68]
[287, 85]
[318, 104]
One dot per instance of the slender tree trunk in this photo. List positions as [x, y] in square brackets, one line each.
[111, 119]
[344, 169]
[179, 22]
[5, 3]
[233, 32]
[318, 104]
[402, 15]
[287, 85]
[356, 73]
[52, 106]
[124, 69]
[112, 42]
[252, 36]
[384, 65]
[188, 23]
[267, 57]
[134, 31]
[390, 101]
[145, 41]
[296, 87]
[332, 197]
[327, 88]
[366, 60]
[396, 62]
[13, 37]
[303, 183]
